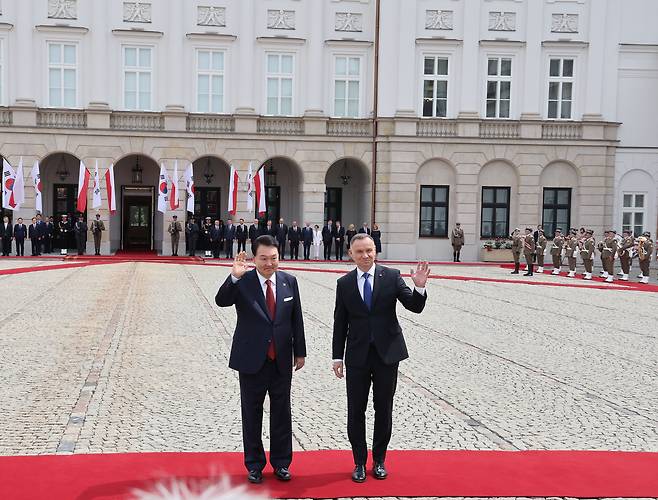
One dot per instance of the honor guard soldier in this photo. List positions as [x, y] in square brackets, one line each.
[174, 230]
[556, 251]
[48, 235]
[624, 253]
[529, 248]
[64, 229]
[192, 236]
[542, 243]
[571, 247]
[608, 255]
[517, 245]
[457, 242]
[644, 253]
[587, 253]
[599, 247]
[97, 228]
[80, 229]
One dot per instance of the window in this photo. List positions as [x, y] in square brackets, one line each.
[333, 204]
[62, 75]
[634, 213]
[560, 88]
[207, 203]
[499, 84]
[210, 81]
[137, 67]
[279, 84]
[433, 211]
[347, 86]
[556, 210]
[495, 212]
[435, 86]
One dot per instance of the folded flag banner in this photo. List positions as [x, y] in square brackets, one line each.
[8, 184]
[233, 191]
[250, 189]
[189, 188]
[96, 200]
[163, 191]
[83, 186]
[173, 195]
[35, 174]
[259, 186]
[109, 186]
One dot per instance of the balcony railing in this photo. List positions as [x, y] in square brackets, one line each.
[499, 130]
[129, 120]
[210, 123]
[280, 126]
[52, 118]
[436, 128]
[5, 117]
[559, 130]
[349, 128]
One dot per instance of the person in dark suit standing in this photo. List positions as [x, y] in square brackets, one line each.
[268, 342]
[281, 237]
[48, 236]
[364, 229]
[241, 235]
[327, 238]
[41, 233]
[254, 231]
[20, 233]
[365, 319]
[33, 234]
[192, 236]
[215, 235]
[269, 229]
[6, 234]
[294, 237]
[80, 230]
[339, 239]
[307, 239]
[64, 231]
[229, 236]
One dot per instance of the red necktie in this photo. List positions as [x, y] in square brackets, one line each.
[271, 307]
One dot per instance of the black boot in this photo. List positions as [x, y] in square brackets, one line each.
[529, 273]
[516, 268]
[454, 256]
[458, 259]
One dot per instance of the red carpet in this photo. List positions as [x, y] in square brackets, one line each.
[325, 474]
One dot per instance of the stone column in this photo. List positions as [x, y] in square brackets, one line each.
[246, 54]
[531, 105]
[315, 58]
[596, 63]
[469, 106]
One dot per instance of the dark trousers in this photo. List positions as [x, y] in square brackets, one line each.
[282, 249]
[215, 247]
[384, 381]
[229, 249]
[6, 246]
[35, 246]
[253, 389]
[307, 251]
[339, 250]
[327, 250]
[294, 250]
[242, 245]
[81, 243]
[97, 242]
[47, 244]
[192, 245]
[20, 246]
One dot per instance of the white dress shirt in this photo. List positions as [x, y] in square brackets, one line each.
[263, 285]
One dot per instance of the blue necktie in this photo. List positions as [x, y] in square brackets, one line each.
[367, 291]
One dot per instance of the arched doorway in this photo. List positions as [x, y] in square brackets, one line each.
[136, 225]
[282, 190]
[347, 193]
[59, 191]
[210, 188]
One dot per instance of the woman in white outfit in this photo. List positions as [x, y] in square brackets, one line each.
[317, 242]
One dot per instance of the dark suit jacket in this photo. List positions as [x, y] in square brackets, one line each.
[6, 233]
[307, 235]
[338, 232]
[255, 328]
[353, 321]
[294, 234]
[327, 233]
[254, 232]
[216, 233]
[20, 231]
[241, 233]
[271, 231]
[281, 233]
[229, 232]
[364, 231]
[33, 231]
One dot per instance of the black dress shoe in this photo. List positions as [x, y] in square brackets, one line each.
[255, 477]
[359, 474]
[282, 474]
[379, 471]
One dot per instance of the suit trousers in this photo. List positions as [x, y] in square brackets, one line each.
[242, 246]
[294, 250]
[384, 382]
[307, 250]
[282, 249]
[215, 247]
[20, 246]
[339, 250]
[327, 250]
[253, 389]
[6, 246]
[35, 246]
[229, 249]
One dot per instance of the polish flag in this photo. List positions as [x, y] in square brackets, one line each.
[111, 193]
[163, 191]
[259, 186]
[250, 189]
[173, 198]
[233, 191]
[189, 187]
[36, 181]
[19, 185]
[8, 183]
[83, 186]
[97, 189]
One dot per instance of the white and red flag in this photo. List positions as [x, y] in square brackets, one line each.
[163, 190]
[96, 200]
[173, 195]
[19, 185]
[36, 182]
[8, 184]
[111, 193]
[259, 187]
[83, 187]
[250, 189]
[233, 191]
[189, 187]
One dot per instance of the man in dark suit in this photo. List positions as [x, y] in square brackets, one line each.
[80, 230]
[269, 229]
[254, 231]
[339, 239]
[307, 239]
[241, 235]
[364, 229]
[20, 233]
[281, 236]
[48, 236]
[327, 238]
[268, 341]
[41, 233]
[6, 234]
[294, 237]
[229, 236]
[192, 236]
[215, 235]
[365, 318]
[33, 234]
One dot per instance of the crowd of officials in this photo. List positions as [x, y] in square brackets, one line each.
[219, 238]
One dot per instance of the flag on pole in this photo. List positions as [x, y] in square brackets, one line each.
[259, 186]
[97, 188]
[173, 197]
[111, 193]
[19, 185]
[233, 191]
[189, 188]
[8, 182]
[163, 191]
[250, 189]
[83, 187]
[36, 181]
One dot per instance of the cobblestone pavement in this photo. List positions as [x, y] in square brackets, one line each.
[133, 357]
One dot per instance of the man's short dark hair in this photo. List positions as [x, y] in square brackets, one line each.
[264, 240]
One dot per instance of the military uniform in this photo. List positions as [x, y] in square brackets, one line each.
[541, 243]
[556, 252]
[571, 245]
[624, 253]
[587, 253]
[608, 256]
[457, 241]
[174, 230]
[97, 228]
[517, 245]
[529, 248]
[644, 253]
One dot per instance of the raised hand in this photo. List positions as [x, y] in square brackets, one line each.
[240, 265]
[420, 275]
